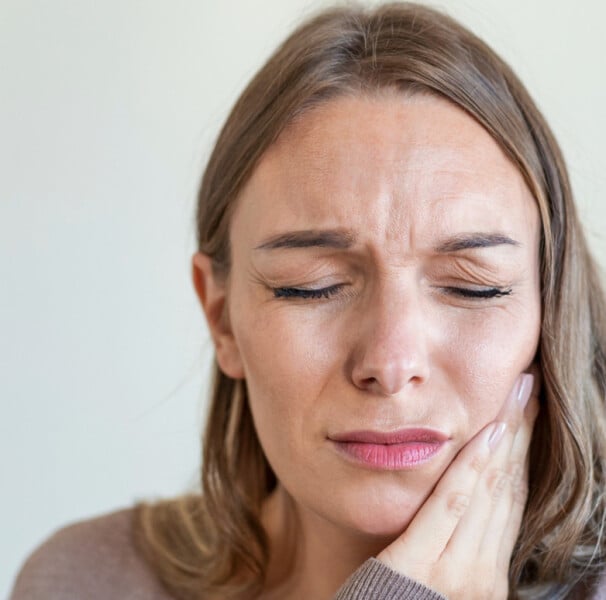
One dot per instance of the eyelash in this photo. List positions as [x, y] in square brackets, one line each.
[316, 294]
[483, 294]
[289, 293]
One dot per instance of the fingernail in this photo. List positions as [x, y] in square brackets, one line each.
[524, 389]
[496, 435]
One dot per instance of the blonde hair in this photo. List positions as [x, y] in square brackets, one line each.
[213, 545]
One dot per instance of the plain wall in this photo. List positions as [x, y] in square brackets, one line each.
[107, 113]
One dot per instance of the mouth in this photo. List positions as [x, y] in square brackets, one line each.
[404, 449]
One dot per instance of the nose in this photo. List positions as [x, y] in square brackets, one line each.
[391, 349]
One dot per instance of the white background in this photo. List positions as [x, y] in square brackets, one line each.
[107, 114]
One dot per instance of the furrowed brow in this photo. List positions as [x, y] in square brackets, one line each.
[470, 241]
[331, 238]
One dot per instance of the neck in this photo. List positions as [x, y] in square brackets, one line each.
[310, 557]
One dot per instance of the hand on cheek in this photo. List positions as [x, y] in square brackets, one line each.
[470, 522]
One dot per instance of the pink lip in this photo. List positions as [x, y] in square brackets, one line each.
[395, 450]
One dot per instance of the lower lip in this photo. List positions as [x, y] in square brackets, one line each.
[392, 457]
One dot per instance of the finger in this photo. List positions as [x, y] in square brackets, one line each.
[492, 490]
[519, 483]
[511, 532]
[509, 464]
[432, 528]
[511, 498]
[427, 535]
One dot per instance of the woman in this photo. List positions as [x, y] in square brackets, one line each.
[409, 334]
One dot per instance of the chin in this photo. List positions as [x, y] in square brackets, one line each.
[379, 515]
[383, 525]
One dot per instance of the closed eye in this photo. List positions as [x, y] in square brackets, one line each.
[290, 293]
[307, 293]
[478, 294]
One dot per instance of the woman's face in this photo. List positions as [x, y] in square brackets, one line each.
[385, 277]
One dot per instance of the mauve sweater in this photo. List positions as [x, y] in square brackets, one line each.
[96, 560]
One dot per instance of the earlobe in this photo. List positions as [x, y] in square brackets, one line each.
[212, 294]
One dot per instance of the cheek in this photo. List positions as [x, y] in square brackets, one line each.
[284, 347]
[482, 357]
[288, 358]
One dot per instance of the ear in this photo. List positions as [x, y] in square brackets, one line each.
[211, 292]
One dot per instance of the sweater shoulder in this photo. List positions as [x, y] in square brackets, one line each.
[92, 559]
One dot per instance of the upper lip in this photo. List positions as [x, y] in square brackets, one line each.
[401, 436]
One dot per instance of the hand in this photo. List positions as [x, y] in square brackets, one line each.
[461, 539]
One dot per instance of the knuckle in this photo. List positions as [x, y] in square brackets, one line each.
[477, 463]
[520, 493]
[457, 503]
[516, 470]
[519, 483]
[501, 483]
[496, 481]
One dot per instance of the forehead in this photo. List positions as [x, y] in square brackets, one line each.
[385, 163]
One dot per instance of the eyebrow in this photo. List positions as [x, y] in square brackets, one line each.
[470, 241]
[342, 240]
[325, 238]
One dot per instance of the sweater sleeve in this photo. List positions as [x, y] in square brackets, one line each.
[374, 580]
